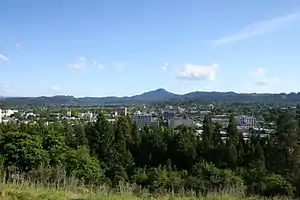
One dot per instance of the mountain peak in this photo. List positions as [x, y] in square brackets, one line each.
[155, 95]
[160, 90]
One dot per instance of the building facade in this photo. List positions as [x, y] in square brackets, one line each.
[122, 111]
[169, 114]
[246, 122]
[145, 120]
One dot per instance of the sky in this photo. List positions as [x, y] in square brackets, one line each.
[122, 48]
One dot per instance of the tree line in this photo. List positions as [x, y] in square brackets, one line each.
[157, 159]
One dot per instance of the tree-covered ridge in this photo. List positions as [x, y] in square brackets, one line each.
[159, 95]
[158, 159]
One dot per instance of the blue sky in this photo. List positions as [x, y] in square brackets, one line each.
[113, 47]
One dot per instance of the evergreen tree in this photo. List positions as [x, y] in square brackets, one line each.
[207, 135]
[286, 145]
[232, 131]
[217, 137]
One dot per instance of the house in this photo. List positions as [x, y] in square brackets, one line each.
[122, 111]
[173, 123]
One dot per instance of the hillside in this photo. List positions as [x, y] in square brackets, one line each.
[160, 95]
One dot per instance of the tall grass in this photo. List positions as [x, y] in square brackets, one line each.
[54, 184]
[22, 192]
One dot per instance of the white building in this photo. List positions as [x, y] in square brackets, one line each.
[180, 110]
[145, 119]
[173, 123]
[246, 122]
[205, 112]
[0, 116]
[8, 113]
[69, 113]
[87, 115]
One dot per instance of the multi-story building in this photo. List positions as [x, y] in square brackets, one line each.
[173, 123]
[122, 111]
[246, 122]
[223, 119]
[145, 120]
[87, 115]
[69, 113]
[169, 114]
[0, 116]
[8, 113]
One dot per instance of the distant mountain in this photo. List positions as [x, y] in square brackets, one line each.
[158, 95]
[155, 95]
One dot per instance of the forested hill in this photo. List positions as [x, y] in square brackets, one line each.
[160, 95]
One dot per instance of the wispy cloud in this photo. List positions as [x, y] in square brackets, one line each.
[3, 58]
[97, 65]
[80, 64]
[198, 72]
[259, 28]
[258, 72]
[164, 67]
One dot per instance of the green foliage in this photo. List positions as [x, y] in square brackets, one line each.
[214, 178]
[158, 159]
[21, 150]
[277, 185]
[80, 164]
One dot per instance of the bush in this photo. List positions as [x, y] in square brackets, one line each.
[80, 164]
[277, 185]
[211, 178]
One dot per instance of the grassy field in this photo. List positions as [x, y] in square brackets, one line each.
[22, 192]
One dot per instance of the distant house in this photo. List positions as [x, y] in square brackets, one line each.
[122, 111]
[87, 115]
[173, 123]
[204, 113]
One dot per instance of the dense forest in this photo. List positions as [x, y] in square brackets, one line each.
[157, 159]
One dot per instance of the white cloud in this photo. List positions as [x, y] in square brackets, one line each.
[195, 72]
[3, 58]
[165, 67]
[80, 64]
[259, 28]
[97, 65]
[258, 72]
